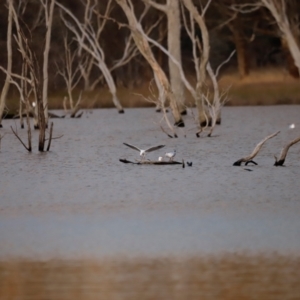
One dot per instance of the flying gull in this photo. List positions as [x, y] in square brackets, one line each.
[143, 152]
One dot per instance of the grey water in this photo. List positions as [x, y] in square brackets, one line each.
[80, 201]
[76, 223]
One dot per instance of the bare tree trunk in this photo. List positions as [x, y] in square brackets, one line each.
[290, 63]
[111, 85]
[9, 61]
[174, 47]
[41, 123]
[23, 88]
[145, 49]
[286, 19]
[172, 10]
[28, 124]
[50, 137]
[204, 59]
[48, 20]
[93, 47]
[31, 66]
[278, 10]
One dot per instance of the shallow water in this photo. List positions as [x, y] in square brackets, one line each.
[79, 202]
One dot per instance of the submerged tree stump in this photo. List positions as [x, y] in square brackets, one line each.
[150, 162]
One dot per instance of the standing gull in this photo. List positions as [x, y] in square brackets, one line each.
[171, 155]
[143, 152]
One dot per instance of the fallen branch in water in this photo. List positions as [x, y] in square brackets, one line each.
[284, 151]
[155, 162]
[249, 158]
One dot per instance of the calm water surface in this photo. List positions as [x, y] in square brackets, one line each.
[76, 216]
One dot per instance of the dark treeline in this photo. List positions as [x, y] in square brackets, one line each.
[255, 36]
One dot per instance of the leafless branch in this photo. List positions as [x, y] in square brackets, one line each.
[249, 158]
[246, 7]
[284, 151]
[16, 134]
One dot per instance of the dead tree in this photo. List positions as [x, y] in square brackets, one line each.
[284, 151]
[210, 110]
[72, 75]
[24, 98]
[9, 60]
[278, 9]
[88, 37]
[249, 159]
[160, 102]
[30, 75]
[141, 41]
[48, 9]
[219, 98]
[205, 47]
[33, 78]
[172, 10]
[46, 6]
[237, 25]
[36, 85]
[288, 26]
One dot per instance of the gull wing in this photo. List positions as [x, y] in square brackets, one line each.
[154, 148]
[132, 147]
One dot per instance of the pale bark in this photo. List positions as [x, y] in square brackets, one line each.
[284, 151]
[249, 158]
[70, 72]
[205, 47]
[278, 11]
[142, 43]
[160, 104]
[24, 98]
[289, 60]
[288, 25]
[48, 19]
[174, 46]
[172, 11]
[9, 61]
[89, 41]
[33, 79]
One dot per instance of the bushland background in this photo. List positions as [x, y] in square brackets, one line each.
[262, 71]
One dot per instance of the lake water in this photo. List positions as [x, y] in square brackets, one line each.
[79, 222]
